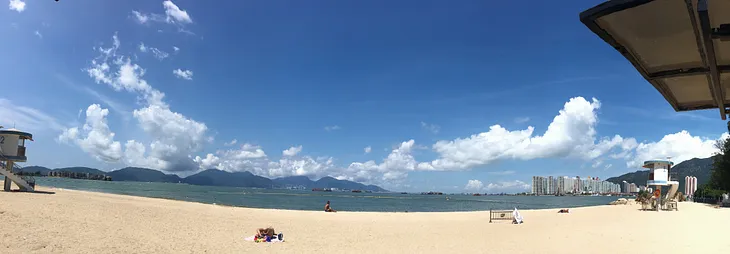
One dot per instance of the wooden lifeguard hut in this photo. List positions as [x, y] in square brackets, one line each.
[12, 150]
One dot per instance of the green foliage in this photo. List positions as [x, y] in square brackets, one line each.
[643, 196]
[708, 191]
[720, 174]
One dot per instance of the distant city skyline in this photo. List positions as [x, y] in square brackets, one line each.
[564, 185]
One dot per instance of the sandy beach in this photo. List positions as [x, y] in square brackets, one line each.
[87, 222]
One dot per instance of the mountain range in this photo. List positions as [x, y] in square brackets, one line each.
[700, 168]
[212, 177]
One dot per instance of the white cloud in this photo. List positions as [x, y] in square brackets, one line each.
[26, 118]
[332, 128]
[140, 17]
[174, 137]
[183, 74]
[522, 119]
[230, 143]
[16, 5]
[571, 133]
[508, 186]
[37, 33]
[292, 151]
[368, 149]
[95, 137]
[474, 185]
[176, 49]
[431, 127]
[680, 146]
[393, 167]
[174, 14]
[157, 53]
[253, 159]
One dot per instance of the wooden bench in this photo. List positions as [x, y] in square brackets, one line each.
[500, 215]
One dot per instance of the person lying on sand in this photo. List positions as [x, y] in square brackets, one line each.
[564, 211]
[327, 207]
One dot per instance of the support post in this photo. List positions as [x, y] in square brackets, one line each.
[9, 165]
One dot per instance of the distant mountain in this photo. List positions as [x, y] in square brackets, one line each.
[81, 170]
[142, 175]
[217, 177]
[700, 168]
[324, 182]
[294, 181]
[213, 177]
[32, 169]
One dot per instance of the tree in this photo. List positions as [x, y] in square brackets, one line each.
[720, 176]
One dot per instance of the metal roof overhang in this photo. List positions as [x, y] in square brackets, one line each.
[682, 47]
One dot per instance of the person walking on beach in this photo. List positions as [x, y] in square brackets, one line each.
[328, 209]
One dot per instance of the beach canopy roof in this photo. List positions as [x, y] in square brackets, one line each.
[681, 47]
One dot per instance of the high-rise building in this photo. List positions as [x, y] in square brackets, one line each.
[561, 185]
[690, 185]
[551, 186]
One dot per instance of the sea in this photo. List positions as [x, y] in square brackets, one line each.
[311, 200]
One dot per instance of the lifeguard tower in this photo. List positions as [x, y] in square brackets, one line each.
[12, 150]
[659, 177]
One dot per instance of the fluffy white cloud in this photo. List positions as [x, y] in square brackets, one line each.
[474, 185]
[16, 5]
[368, 149]
[292, 151]
[508, 186]
[95, 137]
[680, 146]
[253, 159]
[140, 17]
[571, 133]
[37, 33]
[394, 167]
[431, 127]
[176, 49]
[174, 137]
[174, 14]
[183, 74]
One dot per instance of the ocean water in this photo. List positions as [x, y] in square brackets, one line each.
[309, 200]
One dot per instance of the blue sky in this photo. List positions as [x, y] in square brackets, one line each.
[275, 75]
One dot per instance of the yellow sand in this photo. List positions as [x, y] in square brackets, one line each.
[86, 222]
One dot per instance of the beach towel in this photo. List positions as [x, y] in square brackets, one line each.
[250, 239]
[518, 217]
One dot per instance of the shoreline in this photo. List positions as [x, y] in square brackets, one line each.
[74, 221]
[295, 210]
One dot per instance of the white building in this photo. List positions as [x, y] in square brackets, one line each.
[690, 185]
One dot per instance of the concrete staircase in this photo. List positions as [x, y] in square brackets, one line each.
[25, 183]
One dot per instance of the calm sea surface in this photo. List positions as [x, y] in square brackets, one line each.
[309, 200]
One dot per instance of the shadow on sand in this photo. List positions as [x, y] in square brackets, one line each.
[34, 192]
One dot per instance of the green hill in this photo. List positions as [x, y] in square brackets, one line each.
[699, 168]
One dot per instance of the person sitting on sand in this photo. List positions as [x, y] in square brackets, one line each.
[327, 208]
[263, 232]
